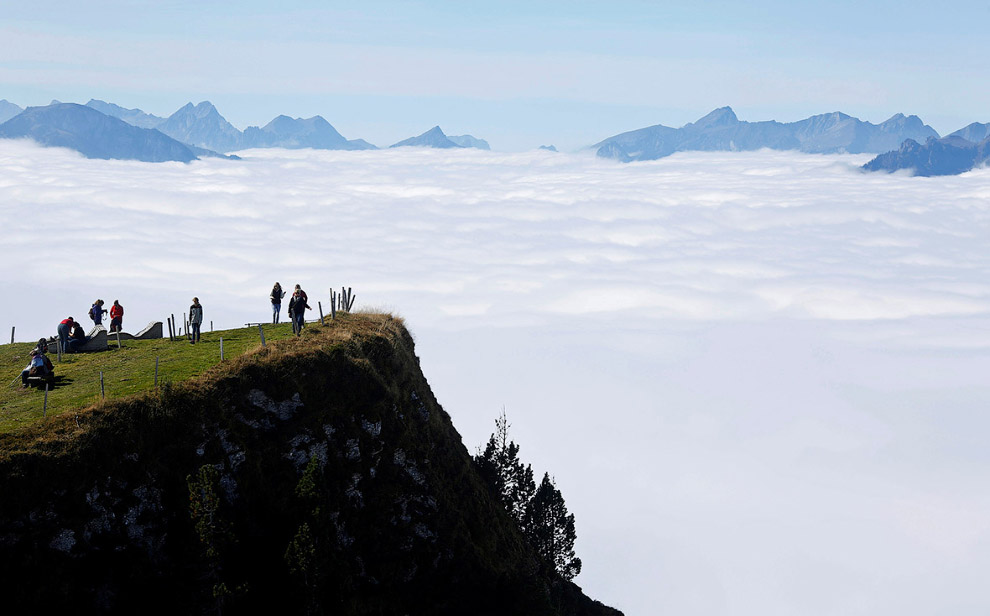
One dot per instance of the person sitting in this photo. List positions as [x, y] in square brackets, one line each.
[77, 338]
[38, 366]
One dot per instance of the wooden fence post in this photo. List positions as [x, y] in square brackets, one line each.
[221, 349]
[11, 335]
[44, 411]
[261, 333]
[321, 312]
[118, 339]
[156, 371]
[211, 326]
[103, 392]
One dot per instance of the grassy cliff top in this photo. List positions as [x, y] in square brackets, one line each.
[130, 370]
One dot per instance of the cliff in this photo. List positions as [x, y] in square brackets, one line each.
[317, 475]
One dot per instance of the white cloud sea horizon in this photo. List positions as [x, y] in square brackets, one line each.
[758, 378]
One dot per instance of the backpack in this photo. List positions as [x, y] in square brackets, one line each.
[92, 314]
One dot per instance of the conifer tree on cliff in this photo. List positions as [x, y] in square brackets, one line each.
[505, 474]
[550, 529]
[540, 512]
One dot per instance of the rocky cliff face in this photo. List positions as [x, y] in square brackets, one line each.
[315, 476]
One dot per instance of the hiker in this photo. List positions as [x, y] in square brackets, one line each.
[96, 312]
[77, 338]
[39, 365]
[116, 316]
[297, 310]
[63, 333]
[276, 297]
[195, 319]
[42, 345]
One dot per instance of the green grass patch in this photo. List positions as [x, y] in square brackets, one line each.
[126, 371]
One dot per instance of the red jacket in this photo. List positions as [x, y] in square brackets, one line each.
[116, 311]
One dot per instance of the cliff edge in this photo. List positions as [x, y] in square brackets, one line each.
[318, 475]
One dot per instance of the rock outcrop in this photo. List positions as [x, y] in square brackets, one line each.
[317, 475]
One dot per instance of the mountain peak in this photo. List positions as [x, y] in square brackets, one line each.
[723, 116]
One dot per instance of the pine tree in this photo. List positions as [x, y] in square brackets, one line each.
[550, 529]
[508, 478]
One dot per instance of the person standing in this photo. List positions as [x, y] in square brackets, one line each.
[297, 310]
[116, 316]
[64, 328]
[96, 312]
[195, 319]
[276, 297]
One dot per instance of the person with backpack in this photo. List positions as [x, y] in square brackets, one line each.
[276, 297]
[195, 320]
[96, 312]
[116, 316]
[297, 310]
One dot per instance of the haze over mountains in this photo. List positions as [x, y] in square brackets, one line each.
[205, 132]
[721, 130]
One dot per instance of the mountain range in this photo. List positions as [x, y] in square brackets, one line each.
[947, 156]
[721, 130]
[94, 134]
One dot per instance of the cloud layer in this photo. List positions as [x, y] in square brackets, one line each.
[758, 378]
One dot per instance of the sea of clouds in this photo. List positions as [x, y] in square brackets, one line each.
[759, 379]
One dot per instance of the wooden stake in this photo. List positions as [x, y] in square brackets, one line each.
[118, 339]
[103, 393]
[44, 411]
[321, 313]
[211, 326]
[261, 333]
[221, 349]
[11, 335]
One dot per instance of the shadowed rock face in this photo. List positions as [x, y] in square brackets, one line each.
[319, 476]
[947, 156]
[93, 134]
[721, 130]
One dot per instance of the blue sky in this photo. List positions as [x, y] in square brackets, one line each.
[519, 74]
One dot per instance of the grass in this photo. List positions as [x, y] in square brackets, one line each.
[126, 371]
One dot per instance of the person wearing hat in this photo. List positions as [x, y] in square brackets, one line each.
[195, 320]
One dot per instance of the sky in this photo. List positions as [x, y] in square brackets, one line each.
[758, 379]
[518, 74]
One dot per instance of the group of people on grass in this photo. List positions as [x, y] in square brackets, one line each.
[298, 304]
[71, 336]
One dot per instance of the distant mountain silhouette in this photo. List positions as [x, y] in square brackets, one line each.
[975, 132]
[315, 132]
[433, 138]
[468, 141]
[93, 134]
[202, 126]
[135, 117]
[947, 156]
[549, 148]
[721, 130]
[8, 110]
